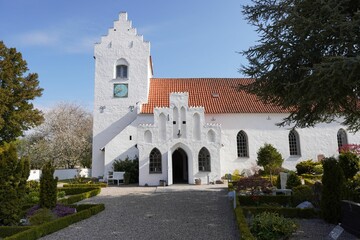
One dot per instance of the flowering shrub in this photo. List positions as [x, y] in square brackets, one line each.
[59, 210]
[353, 148]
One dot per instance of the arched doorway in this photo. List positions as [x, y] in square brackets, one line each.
[180, 166]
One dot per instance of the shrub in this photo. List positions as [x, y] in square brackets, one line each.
[13, 175]
[61, 194]
[271, 226]
[281, 200]
[48, 187]
[79, 197]
[332, 190]
[41, 216]
[130, 166]
[287, 212]
[293, 180]
[352, 189]
[302, 193]
[243, 226]
[269, 158]
[309, 167]
[254, 184]
[349, 162]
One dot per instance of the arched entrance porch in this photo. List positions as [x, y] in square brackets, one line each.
[180, 168]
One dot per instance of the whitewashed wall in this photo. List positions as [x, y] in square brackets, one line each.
[35, 174]
[112, 115]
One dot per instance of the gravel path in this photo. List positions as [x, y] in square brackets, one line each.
[175, 212]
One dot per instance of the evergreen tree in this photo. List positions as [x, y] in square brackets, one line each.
[13, 175]
[332, 191]
[269, 158]
[48, 187]
[307, 60]
[17, 89]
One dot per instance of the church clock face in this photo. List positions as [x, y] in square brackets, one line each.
[121, 90]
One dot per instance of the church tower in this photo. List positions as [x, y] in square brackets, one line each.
[122, 74]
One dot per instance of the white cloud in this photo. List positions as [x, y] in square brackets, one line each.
[38, 38]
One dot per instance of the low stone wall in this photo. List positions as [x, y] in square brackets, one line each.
[62, 173]
[350, 217]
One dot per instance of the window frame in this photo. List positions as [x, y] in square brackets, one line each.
[155, 161]
[122, 71]
[204, 160]
[242, 144]
[342, 139]
[294, 143]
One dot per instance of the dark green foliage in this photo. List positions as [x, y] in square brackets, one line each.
[301, 194]
[332, 190]
[48, 187]
[307, 59]
[13, 175]
[87, 185]
[17, 90]
[41, 216]
[352, 189]
[269, 158]
[281, 200]
[6, 231]
[130, 166]
[245, 233]
[350, 164]
[309, 167]
[60, 223]
[293, 180]
[271, 226]
[288, 212]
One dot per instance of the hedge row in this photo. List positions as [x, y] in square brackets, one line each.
[283, 211]
[283, 200]
[78, 197]
[74, 191]
[245, 233]
[85, 185]
[6, 231]
[50, 227]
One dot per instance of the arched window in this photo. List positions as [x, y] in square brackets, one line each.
[204, 160]
[148, 136]
[242, 144]
[294, 143]
[155, 161]
[341, 138]
[121, 71]
[211, 136]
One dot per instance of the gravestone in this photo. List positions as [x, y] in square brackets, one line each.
[283, 180]
[350, 217]
[336, 232]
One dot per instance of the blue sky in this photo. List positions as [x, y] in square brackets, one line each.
[189, 38]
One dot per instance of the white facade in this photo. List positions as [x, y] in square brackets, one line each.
[181, 132]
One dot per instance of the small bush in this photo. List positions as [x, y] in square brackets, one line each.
[301, 194]
[41, 216]
[130, 166]
[349, 162]
[271, 226]
[269, 158]
[293, 180]
[308, 167]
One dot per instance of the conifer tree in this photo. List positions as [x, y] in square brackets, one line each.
[13, 175]
[307, 59]
[17, 89]
[48, 187]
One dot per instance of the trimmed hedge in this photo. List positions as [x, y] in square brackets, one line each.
[6, 231]
[74, 191]
[78, 197]
[244, 229]
[85, 185]
[284, 211]
[50, 227]
[283, 200]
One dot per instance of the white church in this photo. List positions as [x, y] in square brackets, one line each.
[190, 128]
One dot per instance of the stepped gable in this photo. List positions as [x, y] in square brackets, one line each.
[216, 95]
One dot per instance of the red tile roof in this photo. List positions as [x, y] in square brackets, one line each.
[216, 95]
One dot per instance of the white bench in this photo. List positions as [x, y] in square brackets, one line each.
[118, 176]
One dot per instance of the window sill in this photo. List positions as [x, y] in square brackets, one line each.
[155, 172]
[120, 79]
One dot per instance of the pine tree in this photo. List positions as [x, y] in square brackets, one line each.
[48, 187]
[307, 59]
[17, 89]
[13, 175]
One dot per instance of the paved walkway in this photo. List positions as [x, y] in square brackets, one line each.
[175, 212]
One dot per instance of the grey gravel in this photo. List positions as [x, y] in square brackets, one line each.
[175, 212]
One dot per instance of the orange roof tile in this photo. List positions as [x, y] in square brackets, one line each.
[216, 95]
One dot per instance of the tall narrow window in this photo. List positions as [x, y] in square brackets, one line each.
[341, 138]
[242, 144]
[121, 71]
[204, 160]
[155, 161]
[294, 143]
